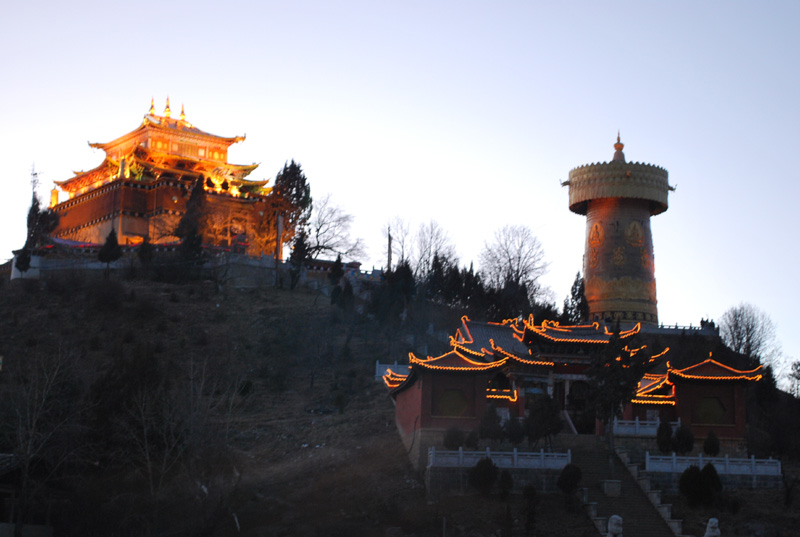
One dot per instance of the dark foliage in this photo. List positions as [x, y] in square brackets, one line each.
[505, 484]
[145, 252]
[711, 444]
[337, 271]
[41, 222]
[614, 375]
[683, 442]
[454, 438]
[298, 258]
[711, 480]
[393, 297]
[190, 227]
[110, 250]
[700, 486]
[543, 420]
[490, 427]
[568, 481]
[530, 497]
[483, 475]
[347, 300]
[514, 431]
[471, 441]
[664, 437]
[292, 195]
[691, 485]
[576, 307]
[336, 295]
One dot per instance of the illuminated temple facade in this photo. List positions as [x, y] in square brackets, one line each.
[510, 364]
[144, 182]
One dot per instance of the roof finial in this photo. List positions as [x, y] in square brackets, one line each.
[152, 110]
[167, 111]
[183, 114]
[618, 154]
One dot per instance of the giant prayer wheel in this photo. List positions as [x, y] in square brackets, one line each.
[618, 198]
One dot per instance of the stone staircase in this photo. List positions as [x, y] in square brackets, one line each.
[612, 486]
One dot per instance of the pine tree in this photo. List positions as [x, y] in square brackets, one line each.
[337, 271]
[298, 258]
[40, 222]
[191, 224]
[576, 307]
[293, 198]
[110, 251]
[146, 252]
[614, 375]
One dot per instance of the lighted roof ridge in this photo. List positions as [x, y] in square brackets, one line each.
[657, 385]
[430, 362]
[712, 361]
[655, 376]
[516, 358]
[457, 346]
[660, 354]
[625, 333]
[653, 402]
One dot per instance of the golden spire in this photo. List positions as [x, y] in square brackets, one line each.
[167, 111]
[618, 154]
[152, 110]
[183, 115]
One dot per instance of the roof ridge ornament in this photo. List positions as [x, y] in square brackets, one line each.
[152, 110]
[618, 154]
[183, 114]
[167, 111]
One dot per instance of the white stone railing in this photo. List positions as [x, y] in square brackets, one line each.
[540, 460]
[723, 465]
[639, 427]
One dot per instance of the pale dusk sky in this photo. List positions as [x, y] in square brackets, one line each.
[466, 113]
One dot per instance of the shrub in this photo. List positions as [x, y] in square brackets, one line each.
[711, 482]
[664, 437]
[453, 438]
[483, 475]
[684, 440]
[691, 485]
[514, 431]
[569, 478]
[490, 427]
[543, 422]
[471, 441]
[711, 444]
[505, 484]
[567, 482]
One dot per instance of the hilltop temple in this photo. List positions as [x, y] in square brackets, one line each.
[142, 186]
[690, 376]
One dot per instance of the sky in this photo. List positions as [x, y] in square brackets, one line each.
[466, 113]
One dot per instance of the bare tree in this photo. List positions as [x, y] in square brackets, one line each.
[329, 232]
[750, 331]
[516, 257]
[400, 233]
[794, 379]
[39, 409]
[431, 241]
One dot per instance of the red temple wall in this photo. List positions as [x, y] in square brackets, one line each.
[718, 407]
